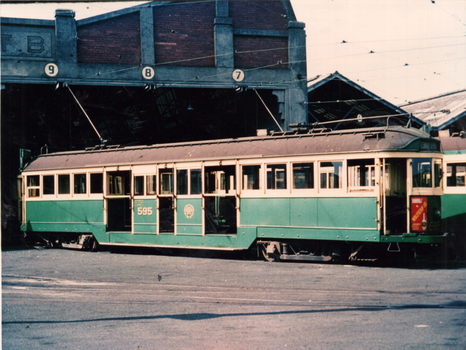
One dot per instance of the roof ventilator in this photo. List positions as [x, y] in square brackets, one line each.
[374, 135]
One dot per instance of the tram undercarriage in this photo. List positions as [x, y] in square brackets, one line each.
[346, 252]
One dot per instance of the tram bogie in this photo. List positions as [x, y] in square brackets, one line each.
[294, 196]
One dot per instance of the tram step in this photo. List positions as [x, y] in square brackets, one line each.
[72, 246]
[305, 257]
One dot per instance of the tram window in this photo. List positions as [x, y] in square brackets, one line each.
[64, 184]
[330, 175]
[251, 177]
[119, 183]
[48, 184]
[196, 181]
[456, 175]
[139, 185]
[303, 175]
[80, 183]
[166, 181]
[422, 172]
[276, 176]
[182, 182]
[219, 179]
[97, 183]
[438, 173]
[361, 173]
[151, 184]
[33, 185]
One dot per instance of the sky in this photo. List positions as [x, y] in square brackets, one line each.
[400, 50]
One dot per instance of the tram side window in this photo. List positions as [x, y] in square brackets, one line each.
[330, 175]
[64, 184]
[119, 183]
[251, 177]
[456, 175]
[139, 185]
[422, 172]
[80, 183]
[97, 183]
[196, 181]
[48, 184]
[361, 173]
[219, 179]
[182, 182]
[33, 185]
[151, 184]
[166, 181]
[303, 175]
[276, 176]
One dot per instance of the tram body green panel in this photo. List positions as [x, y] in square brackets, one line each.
[230, 242]
[189, 216]
[265, 211]
[303, 212]
[66, 216]
[326, 213]
[64, 213]
[145, 216]
[326, 234]
[348, 212]
[453, 213]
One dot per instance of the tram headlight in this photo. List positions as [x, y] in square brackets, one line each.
[436, 214]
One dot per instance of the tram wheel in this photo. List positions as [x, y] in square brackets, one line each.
[270, 257]
[94, 245]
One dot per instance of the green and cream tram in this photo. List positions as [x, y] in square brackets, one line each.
[295, 195]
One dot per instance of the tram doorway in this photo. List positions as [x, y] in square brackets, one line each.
[118, 201]
[220, 200]
[166, 205]
[394, 177]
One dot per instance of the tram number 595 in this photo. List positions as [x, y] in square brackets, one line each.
[144, 211]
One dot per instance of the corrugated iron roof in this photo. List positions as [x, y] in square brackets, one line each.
[334, 97]
[439, 111]
[284, 144]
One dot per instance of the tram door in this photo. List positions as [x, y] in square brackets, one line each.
[118, 200]
[220, 200]
[166, 202]
[394, 199]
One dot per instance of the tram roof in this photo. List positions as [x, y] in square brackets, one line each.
[453, 144]
[393, 138]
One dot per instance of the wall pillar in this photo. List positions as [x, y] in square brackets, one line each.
[297, 96]
[223, 34]
[66, 36]
[147, 35]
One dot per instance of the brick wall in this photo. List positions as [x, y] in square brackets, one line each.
[112, 41]
[184, 34]
[257, 51]
[258, 14]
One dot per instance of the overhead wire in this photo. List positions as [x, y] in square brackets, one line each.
[357, 43]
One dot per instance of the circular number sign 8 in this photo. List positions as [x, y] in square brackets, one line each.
[148, 72]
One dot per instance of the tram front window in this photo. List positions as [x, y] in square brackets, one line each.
[422, 172]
